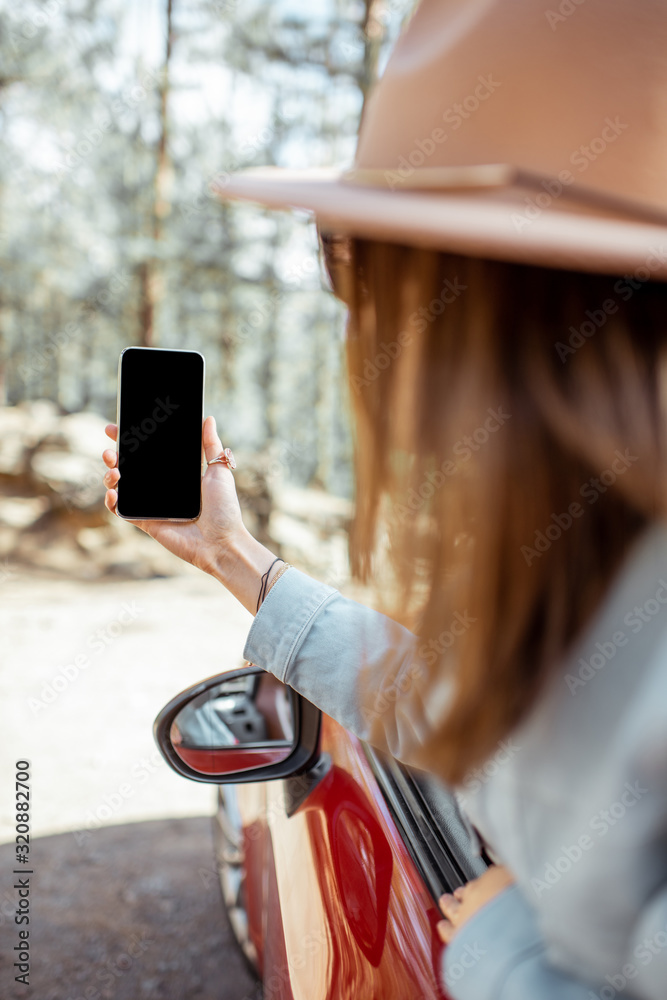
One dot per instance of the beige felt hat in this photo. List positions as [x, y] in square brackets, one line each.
[508, 129]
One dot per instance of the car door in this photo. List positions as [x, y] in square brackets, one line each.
[341, 877]
[331, 856]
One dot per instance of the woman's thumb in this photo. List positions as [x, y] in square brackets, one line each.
[212, 443]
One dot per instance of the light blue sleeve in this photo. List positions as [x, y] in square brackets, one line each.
[499, 954]
[355, 664]
[645, 970]
[369, 673]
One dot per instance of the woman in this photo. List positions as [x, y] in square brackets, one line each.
[506, 245]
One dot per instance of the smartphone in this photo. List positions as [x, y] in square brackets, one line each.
[160, 418]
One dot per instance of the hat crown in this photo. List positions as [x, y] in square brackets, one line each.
[579, 88]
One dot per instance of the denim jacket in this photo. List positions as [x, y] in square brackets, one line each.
[574, 802]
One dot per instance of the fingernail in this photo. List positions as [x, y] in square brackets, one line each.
[441, 928]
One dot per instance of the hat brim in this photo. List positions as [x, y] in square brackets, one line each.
[497, 223]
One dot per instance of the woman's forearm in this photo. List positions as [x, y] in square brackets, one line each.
[239, 567]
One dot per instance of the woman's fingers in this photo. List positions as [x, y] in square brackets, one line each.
[445, 930]
[110, 500]
[459, 906]
[449, 906]
[110, 459]
[111, 478]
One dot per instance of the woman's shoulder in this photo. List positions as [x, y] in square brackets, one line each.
[601, 720]
[618, 666]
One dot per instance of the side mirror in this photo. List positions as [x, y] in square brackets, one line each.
[243, 725]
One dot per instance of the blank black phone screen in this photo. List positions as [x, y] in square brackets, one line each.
[161, 399]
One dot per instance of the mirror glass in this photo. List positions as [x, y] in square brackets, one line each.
[240, 724]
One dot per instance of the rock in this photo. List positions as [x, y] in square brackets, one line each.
[52, 513]
[21, 512]
[94, 540]
[76, 478]
[68, 460]
[13, 442]
[254, 493]
[21, 428]
[320, 510]
[83, 433]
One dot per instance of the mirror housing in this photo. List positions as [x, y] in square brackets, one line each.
[214, 732]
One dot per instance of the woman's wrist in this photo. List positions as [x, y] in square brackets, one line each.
[240, 565]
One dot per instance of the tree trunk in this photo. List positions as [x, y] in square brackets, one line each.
[373, 30]
[151, 279]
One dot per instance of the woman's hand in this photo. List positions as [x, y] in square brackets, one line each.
[217, 542]
[468, 899]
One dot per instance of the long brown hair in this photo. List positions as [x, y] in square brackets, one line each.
[509, 449]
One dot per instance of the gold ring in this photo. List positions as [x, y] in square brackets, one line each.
[226, 457]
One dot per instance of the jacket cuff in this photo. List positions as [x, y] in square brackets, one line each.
[284, 619]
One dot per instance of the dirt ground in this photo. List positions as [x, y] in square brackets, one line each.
[133, 913]
[84, 670]
[121, 844]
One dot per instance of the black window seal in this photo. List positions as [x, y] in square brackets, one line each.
[441, 865]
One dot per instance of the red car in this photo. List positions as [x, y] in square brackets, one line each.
[331, 855]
